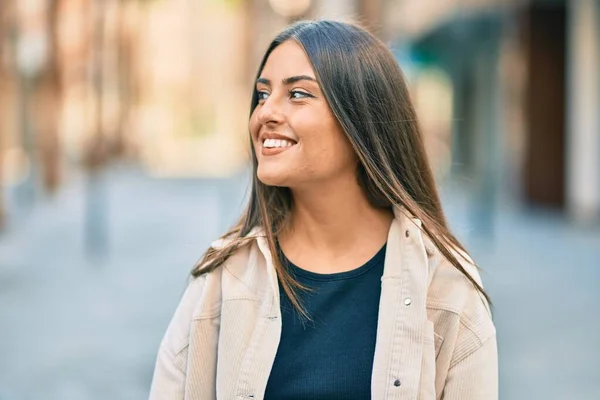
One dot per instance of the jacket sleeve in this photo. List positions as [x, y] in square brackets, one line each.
[168, 381]
[169, 377]
[475, 377]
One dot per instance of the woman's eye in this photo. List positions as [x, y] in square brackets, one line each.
[262, 95]
[297, 94]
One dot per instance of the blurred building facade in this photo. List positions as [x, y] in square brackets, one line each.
[166, 84]
[508, 91]
[526, 94]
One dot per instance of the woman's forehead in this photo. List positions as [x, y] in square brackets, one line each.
[287, 59]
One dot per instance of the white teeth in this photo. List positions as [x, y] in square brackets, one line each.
[277, 143]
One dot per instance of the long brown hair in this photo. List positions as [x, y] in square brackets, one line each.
[367, 93]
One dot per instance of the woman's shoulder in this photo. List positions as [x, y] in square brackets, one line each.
[225, 251]
[456, 305]
[448, 285]
[243, 268]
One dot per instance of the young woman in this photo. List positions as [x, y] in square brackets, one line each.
[341, 279]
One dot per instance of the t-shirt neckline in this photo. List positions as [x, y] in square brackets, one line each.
[336, 276]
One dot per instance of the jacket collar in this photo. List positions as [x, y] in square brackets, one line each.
[403, 219]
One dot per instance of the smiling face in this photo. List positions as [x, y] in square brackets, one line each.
[297, 139]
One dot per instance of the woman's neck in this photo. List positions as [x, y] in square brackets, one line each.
[333, 220]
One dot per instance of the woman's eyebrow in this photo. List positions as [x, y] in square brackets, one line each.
[288, 81]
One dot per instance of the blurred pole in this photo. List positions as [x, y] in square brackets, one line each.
[130, 31]
[544, 166]
[583, 111]
[124, 73]
[30, 51]
[96, 209]
[462, 138]
[487, 111]
[25, 191]
[3, 89]
[47, 105]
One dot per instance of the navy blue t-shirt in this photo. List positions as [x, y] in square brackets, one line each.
[331, 356]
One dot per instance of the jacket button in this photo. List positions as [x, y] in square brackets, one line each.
[407, 301]
[397, 382]
[407, 233]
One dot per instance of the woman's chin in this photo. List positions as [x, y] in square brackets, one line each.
[272, 178]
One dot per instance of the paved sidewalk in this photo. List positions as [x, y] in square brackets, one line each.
[543, 276]
[74, 328]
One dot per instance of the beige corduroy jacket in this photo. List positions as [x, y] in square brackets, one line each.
[435, 336]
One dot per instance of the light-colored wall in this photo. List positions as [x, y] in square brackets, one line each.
[583, 110]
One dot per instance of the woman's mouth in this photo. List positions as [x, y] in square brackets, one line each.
[275, 146]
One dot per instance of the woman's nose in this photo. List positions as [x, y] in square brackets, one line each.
[270, 113]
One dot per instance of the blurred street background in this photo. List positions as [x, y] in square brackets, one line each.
[124, 153]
